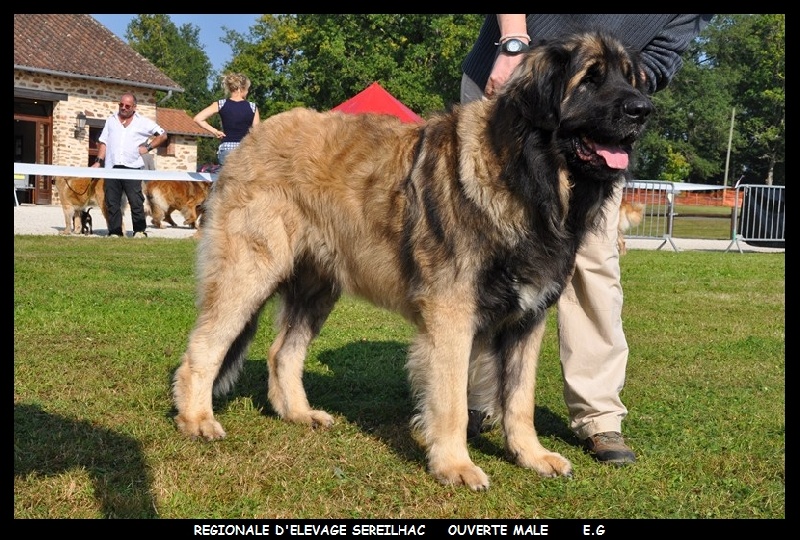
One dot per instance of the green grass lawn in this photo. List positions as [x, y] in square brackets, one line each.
[706, 222]
[100, 327]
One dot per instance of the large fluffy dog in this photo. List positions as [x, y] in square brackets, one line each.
[468, 226]
[166, 196]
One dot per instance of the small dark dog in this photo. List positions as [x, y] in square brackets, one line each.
[86, 222]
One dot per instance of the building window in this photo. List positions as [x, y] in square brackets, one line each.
[168, 148]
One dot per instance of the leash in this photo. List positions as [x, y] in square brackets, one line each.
[92, 182]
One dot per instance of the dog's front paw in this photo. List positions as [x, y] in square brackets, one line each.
[311, 417]
[467, 474]
[206, 428]
[547, 464]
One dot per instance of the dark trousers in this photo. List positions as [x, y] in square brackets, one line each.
[113, 189]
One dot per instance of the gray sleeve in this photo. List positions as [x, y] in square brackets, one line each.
[661, 58]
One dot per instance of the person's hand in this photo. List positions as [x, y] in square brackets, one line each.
[95, 165]
[219, 134]
[501, 71]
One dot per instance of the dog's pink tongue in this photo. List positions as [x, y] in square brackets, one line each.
[615, 157]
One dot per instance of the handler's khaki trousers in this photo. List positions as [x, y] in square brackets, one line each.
[593, 348]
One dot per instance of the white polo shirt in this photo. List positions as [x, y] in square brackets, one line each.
[122, 143]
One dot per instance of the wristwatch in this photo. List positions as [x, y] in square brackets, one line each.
[514, 46]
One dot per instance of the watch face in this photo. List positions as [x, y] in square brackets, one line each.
[514, 46]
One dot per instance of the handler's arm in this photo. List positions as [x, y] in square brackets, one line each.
[511, 25]
[661, 58]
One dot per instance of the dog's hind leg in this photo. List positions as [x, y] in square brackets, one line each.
[306, 302]
[157, 213]
[168, 216]
[483, 387]
[520, 352]
[69, 218]
[231, 297]
[189, 214]
[75, 221]
[210, 366]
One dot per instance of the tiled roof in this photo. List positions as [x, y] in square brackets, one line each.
[76, 45]
[177, 121]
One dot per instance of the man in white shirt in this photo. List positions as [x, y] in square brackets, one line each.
[120, 146]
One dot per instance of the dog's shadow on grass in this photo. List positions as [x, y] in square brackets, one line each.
[49, 444]
[367, 384]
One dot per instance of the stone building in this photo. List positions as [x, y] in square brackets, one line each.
[70, 69]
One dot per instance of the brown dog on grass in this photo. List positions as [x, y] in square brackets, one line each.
[166, 196]
[77, 195]
[630, 216]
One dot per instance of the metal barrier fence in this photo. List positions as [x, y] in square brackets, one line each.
[759, 217]
[658, 200]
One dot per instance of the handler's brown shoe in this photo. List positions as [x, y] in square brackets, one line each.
[609, 447]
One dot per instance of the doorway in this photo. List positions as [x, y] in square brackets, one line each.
[33, 143]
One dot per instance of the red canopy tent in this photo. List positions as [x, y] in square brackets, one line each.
[375, 99]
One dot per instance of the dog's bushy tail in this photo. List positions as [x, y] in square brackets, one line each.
[234, 358]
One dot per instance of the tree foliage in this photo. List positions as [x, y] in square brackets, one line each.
[321, 60]
[751, 50]
[272, 57]
[180, 55]
[735, 69]
[690, 125]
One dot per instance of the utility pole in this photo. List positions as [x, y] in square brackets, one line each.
[728, 157]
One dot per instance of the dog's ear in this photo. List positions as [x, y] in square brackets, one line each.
[536, 88]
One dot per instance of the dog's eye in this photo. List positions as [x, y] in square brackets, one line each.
[593, 75]
[629, 72]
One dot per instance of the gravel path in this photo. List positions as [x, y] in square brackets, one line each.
[49, 220]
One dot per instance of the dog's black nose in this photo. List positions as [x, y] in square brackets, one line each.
[638, 109]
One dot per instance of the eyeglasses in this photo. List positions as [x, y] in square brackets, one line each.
[126, 106]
